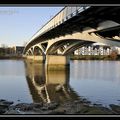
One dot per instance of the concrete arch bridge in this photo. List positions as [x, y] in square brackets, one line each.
[72, 28]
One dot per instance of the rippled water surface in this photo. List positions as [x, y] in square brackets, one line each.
[97, 81]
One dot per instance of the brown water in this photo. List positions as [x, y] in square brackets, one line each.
[97, 81]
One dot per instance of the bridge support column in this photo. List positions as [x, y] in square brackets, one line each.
[39, 58]
[57, 62]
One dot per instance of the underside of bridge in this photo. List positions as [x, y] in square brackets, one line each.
[95, 24]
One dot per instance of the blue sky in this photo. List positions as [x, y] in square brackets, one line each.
[18, 24]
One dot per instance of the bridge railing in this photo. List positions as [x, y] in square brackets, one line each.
[65, 14]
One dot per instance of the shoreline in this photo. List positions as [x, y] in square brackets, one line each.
[74, 57]
[94, 57]
[76, 107]
[11, 58]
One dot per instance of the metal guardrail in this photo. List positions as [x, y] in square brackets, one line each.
[65, 14]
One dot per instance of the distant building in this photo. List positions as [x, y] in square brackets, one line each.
[19, 50]
[96, 49]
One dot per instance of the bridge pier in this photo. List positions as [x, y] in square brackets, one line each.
[52, 62]
[57, 62]
[39, 58]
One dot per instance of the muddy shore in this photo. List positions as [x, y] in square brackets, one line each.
[77, 107]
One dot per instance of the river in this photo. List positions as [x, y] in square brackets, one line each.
[96, 81]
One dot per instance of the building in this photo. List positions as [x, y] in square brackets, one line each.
[96, 49]
[19, 50]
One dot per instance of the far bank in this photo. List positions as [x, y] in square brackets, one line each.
[112, 56]
[95, 57]
[11, 57]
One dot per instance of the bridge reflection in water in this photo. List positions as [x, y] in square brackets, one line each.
[47, 86]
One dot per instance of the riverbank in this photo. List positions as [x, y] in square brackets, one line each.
[77, 107]
[94, 57]
[11, 57]
[72, 57]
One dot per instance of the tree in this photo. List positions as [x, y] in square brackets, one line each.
[4, 46]
[114, 55]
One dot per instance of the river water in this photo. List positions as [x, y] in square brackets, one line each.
[97, 81]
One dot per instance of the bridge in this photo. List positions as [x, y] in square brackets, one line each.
[72, 28]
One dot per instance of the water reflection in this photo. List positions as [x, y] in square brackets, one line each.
[48, 86]
[98, 70]
[98, 81]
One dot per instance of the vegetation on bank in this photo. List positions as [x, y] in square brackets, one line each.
[113, 56]
[11, 57]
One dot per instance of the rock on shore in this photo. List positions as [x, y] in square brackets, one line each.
[70, 107]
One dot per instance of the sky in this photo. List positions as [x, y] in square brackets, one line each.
[19, 24]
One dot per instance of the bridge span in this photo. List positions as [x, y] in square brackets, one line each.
[72, 28]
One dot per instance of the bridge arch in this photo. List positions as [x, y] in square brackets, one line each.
[54, 46]
[29, 52]
[66, 46]
[76, 40]
[37, 50]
